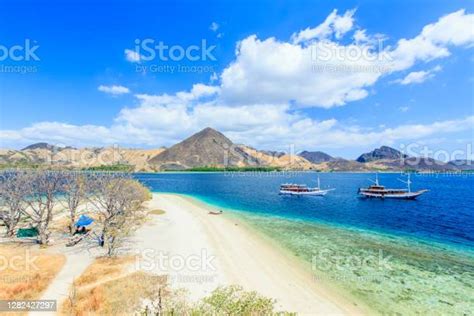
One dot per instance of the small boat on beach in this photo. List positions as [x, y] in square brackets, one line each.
[379, 191]
[302, 189]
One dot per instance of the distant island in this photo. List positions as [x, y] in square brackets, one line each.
[211, 151]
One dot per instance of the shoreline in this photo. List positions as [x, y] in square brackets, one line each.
[331, 289]
[436, 173]
[372, 288]
[242, 256]
[414, 241]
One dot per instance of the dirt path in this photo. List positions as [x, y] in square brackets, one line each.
[78, 258]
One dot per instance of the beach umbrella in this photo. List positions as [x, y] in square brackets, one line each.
[84, 220]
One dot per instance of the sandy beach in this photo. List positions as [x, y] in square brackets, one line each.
[200, 251]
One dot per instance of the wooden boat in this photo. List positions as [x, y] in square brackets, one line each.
[379, 191]
[302, 189]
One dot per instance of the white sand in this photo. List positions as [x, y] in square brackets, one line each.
[241, 257]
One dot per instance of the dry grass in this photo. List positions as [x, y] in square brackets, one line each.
[157, 212]
[26, 273]
[104, 290]
[61, 225]
[104, 268]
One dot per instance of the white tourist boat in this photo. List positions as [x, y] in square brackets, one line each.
[302, 189]
[379, 191]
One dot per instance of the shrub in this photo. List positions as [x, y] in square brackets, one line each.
[233, 300]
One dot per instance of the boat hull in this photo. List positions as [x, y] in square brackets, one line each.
[309, 193]
[399, 196]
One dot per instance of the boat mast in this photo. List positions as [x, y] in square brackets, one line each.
[319, 184]
[409, 183]
[376, 179]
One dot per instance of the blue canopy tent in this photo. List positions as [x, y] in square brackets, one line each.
[84, 220]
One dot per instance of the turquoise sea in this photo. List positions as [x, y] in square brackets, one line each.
[397, 257]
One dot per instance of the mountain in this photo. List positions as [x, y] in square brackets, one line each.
[315, 156]
[210, 148]
[462, 164]
[273, 153]
[206, 148]
[72, 158]
[339, 164]
[390, 159]
[278, 159]
[383, 152]
[41, 146]
[413, 163]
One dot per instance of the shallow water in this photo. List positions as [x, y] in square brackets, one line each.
[407, 257]
[389, 274]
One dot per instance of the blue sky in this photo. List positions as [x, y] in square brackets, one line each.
[260, 90]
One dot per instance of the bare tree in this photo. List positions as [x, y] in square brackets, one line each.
[118, 203]
[43, 197]
[74, 190]
[13, 194]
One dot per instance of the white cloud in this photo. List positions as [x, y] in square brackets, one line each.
[166, 119]
[258, 99]
[418, 76]
[59, 133]
[114, 90]
[267, 71]
[360, 36]
[214, 27]
[314, 71]
[455, 29]
[132, 56]
[334, 24]
[198, 91]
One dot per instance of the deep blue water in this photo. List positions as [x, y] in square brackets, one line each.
[445, 214]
